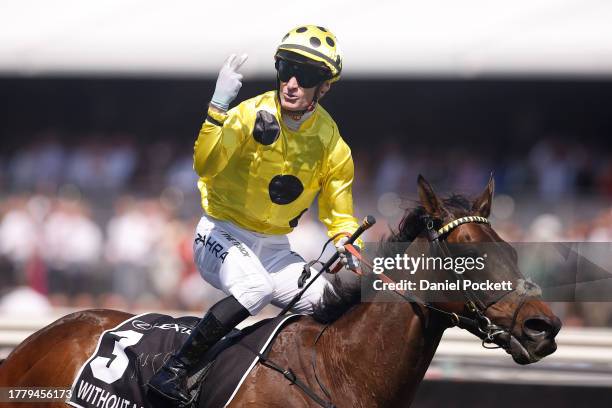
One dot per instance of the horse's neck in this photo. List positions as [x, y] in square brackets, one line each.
[381, 348]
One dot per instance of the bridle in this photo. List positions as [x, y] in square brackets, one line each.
[477, 323]
[476, 320]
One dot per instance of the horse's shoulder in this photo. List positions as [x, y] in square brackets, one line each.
[300, 332]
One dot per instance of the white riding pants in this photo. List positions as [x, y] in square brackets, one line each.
[257, 269]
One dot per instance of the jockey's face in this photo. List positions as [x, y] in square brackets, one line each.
[295, 98]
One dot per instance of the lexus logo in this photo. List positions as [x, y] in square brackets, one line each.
[140, 325]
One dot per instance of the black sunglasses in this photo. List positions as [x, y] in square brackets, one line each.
[306, 76]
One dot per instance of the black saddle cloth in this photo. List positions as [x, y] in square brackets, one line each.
[234, 359]
[128, 355]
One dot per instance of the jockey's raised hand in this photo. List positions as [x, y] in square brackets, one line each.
[229, 82]
[349, 260]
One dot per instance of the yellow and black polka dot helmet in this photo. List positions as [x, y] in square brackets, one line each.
[316, 44]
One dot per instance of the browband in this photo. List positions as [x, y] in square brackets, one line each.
[454, 224]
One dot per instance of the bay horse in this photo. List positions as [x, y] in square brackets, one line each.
[350, 353]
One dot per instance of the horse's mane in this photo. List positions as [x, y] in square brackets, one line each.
[340, 296]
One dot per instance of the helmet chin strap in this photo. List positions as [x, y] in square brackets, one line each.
[315, 99]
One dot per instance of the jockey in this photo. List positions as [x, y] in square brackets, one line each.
[261, 165]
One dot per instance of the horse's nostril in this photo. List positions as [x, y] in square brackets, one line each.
[539, 327]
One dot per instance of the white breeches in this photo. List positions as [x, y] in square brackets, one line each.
[257, 269]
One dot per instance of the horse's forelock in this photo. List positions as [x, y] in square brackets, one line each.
[411, 224]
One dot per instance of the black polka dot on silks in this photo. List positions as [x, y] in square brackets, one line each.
[322, 29]
[329, 41]
[285, 189]
[315, 42]
[294, 222]
[266, 129]
[301, 30]
[286, 36]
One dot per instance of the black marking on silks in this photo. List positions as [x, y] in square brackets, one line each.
[294, 222]
[219, 250]
[215, 248]
[235, 243]
[267, 129]
[285, 189]
[200, 239]
[213, 121]
[297, 255]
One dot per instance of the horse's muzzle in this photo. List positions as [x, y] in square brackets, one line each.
[537, 340]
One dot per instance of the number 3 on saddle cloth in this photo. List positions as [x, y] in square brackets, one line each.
[127, 356]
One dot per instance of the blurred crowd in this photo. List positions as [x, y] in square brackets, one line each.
[549, 170]
[140, 256]
[110, 163]
[109, 222]
[100, 164]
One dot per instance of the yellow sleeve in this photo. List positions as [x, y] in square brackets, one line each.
[219, 137]
[336, 196]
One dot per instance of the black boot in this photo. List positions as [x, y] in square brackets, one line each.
[169, 384]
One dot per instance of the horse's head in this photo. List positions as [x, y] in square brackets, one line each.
[517, 320]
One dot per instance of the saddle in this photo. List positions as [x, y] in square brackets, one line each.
[128, 355]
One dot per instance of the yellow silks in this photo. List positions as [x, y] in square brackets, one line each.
[260, 175]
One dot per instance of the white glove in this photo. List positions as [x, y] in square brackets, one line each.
[229, 82]
[349, 260]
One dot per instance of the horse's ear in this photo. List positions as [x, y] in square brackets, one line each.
[482, 205]
[429, 199]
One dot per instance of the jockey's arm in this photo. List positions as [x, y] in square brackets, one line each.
[336, 196]
[221, 133]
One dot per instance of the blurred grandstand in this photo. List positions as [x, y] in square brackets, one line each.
[99, 210]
